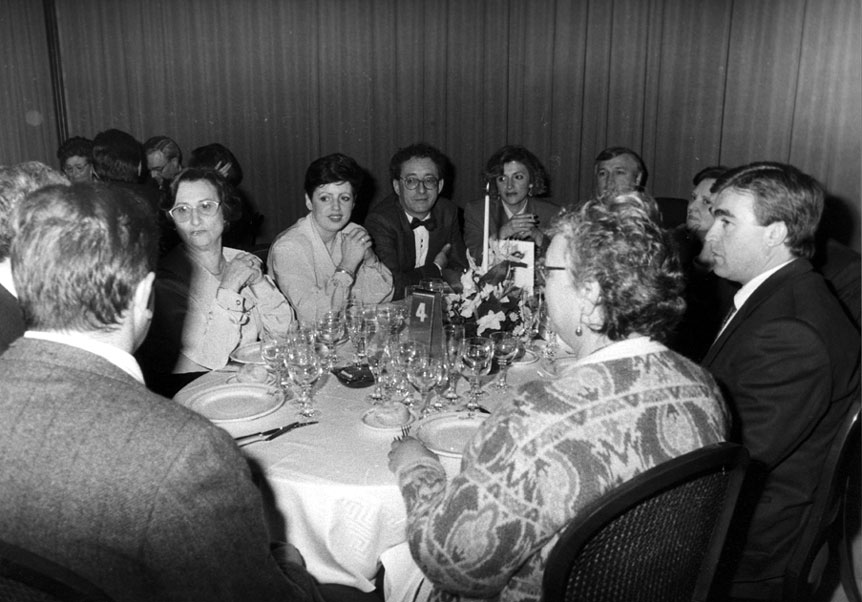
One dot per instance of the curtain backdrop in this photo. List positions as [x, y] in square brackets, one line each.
[687, 83]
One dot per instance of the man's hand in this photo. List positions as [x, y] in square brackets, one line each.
[442, 258]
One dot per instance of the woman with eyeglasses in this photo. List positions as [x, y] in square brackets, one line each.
[515, 179]
[76, 159]
[209, 299]
[623, 404]
[324, 259]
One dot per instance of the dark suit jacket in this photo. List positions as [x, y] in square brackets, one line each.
[146, 499]
[474, 221]
[395, 246]
[788, 363]
[11, 321]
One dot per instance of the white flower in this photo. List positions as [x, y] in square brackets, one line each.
[467, 284]
[490, 321]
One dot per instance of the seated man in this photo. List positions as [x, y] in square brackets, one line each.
[417, 234]
[16, 182]
[787, 359]
[142, 497]
[617, 170]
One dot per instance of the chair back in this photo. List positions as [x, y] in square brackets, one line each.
[826, 512]
[657, 537]
[27, 577]
[673, 211]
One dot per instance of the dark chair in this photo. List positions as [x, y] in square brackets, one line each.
[27, 577]
[657, 537]
[829, 521]
[673, 211]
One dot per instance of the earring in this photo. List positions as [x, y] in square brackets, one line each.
[579, 331]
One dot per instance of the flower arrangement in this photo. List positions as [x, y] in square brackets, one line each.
[489, 300]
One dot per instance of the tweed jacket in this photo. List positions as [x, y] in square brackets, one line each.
[537, 461]
[146, 499]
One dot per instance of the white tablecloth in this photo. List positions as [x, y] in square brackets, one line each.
[328, 489]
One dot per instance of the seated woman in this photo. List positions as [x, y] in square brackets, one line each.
[515, 178]
[624, 404]
[209, 299]
[76, 159]
[324, 259]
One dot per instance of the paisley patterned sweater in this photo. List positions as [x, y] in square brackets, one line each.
[558, 445]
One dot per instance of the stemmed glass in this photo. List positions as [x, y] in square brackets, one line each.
[506, 346]
[356, 324]
[304, 367]
[454, 339]
[533, 309]
[398, 320]
[426, 372]
[403, 352]
[476, 356]
[330, 329]
[272, 353]
[376, 340]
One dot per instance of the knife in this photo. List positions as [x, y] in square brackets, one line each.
[246, 439]
[289, 427]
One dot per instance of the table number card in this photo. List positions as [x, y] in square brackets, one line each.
[426, 319]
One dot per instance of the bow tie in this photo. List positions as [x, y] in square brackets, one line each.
[429, 223]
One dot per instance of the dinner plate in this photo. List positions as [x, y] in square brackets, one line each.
[236, 401]
[369, 420]
[528, 357]
[247, 354]
[448, 434]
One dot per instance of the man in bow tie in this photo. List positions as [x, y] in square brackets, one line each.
[417, 233]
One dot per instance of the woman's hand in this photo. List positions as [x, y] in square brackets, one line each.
[406, 450]
[354, 245]
[243, 270]
[521, 226]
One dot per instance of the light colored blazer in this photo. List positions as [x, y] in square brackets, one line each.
[305, 272]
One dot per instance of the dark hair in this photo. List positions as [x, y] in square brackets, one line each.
[331, 169]
[616, 151]
[509, 153]
[16, 182]
[117, 156]
[782, 193]
[712, 172]
[76, 146]
[419, 150]
[164, 145]
[231, 208]
[210, 156]
[79, 252]
[626, 253]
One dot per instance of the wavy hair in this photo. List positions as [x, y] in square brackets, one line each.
[509, 153]
[626, 253]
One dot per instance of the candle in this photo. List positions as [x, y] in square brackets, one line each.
[485, 230]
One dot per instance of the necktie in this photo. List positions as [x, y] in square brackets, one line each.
[727, 317]
[429, 223]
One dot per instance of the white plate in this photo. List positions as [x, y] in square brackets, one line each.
[236, 402]
[448, 434]
[247, 354]
[369, 419]
[529, 357]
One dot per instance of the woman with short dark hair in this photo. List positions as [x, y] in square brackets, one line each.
[324, 258]
[623, 404]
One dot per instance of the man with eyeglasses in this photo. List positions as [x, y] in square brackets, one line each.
[164, 159]
[417, 233]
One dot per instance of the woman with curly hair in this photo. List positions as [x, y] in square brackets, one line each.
[623, 404]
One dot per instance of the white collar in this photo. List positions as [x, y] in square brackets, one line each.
[639, 345]
[752, 285]
[121, 359]
[6, 277]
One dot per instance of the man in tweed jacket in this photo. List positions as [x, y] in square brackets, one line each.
[147, 500]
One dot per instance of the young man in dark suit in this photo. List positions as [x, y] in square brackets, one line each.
[787, 359]
[417, 233]
[142, 497]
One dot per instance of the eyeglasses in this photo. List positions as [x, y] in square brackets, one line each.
[544, 270]
[183, 213]
[71, 168]
[158, 169]
[428, 182]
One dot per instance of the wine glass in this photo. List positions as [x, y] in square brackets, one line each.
[426, 372]
[304, 367]
[403, 352]
[506, 346]
[398, 320]
[533, 310]
[476, 356]
[355, 317]
[330, 329]
[272, 353]
[376, 341]
[453, 335]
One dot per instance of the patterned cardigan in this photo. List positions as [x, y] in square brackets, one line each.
[537, 461]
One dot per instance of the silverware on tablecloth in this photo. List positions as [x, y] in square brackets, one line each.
[270, 434]
[405, 432]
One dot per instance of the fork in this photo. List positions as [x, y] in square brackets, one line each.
[405, 432]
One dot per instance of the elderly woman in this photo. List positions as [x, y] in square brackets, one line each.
[624, 404]
[324, 259]
[210, 299]
[515, 177]
[76, 159]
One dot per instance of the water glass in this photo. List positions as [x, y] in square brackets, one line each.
[304, 368]
[506, 347]
[453, 335]
[426, 372]
[477, 354]
[330, 329]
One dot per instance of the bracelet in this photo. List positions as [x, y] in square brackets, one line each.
[345, 272]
